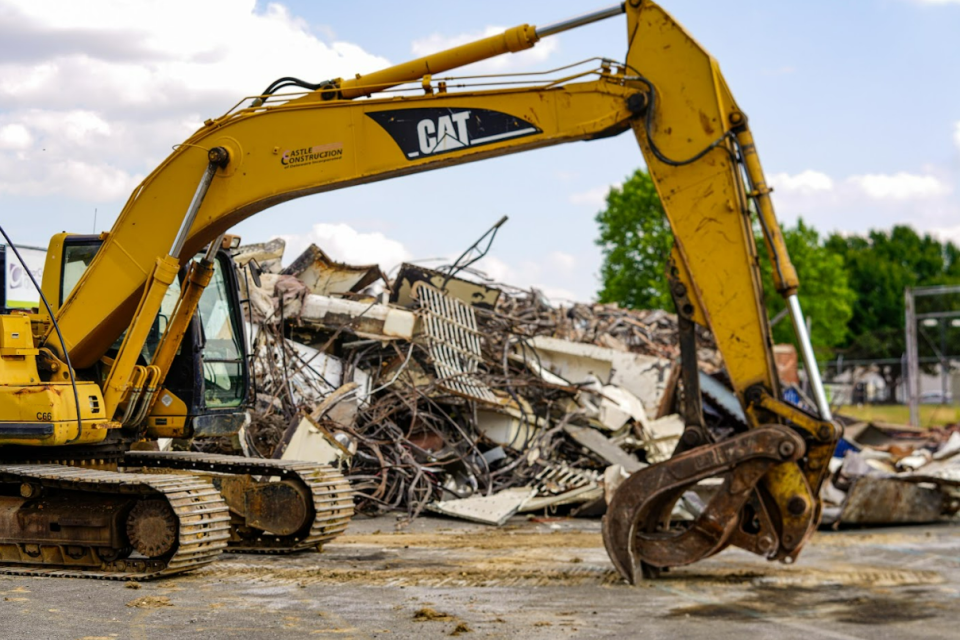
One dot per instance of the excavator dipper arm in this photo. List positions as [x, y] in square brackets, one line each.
[700, 153]
[702, 158]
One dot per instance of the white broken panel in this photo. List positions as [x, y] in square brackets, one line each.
[545, 374]
[618, 406]
[324, 276]
[559, 484]
[603, 447]
[311, 374]
[310, 444]
[378, 321]
[660, 437]
[573, 361]
[580, 495]
[267, 254]
[507, 427]
[364, 386]
[950, 448]
[644, 376]
[260, 298]
[495, 509]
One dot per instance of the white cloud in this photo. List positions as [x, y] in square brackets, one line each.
[15, 137]
[805, 182]
[73, 126]
[899, 186]
[111, 85]
[867, 201]
[561, 261]
[164, 60]
[37, 173]
[596, 197]
[345, 244]
[530, 274]
[505, 63]
[948, 233]
[497, 270]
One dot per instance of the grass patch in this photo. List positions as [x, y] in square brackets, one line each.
[931, 415]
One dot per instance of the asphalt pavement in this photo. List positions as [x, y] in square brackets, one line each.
[543, 578]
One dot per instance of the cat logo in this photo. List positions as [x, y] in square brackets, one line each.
[447, 133]
[430, 132]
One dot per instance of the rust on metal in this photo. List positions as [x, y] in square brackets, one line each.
[637, 531]
[280, 508]
[891, 501]
[318, 493]
[77, 524]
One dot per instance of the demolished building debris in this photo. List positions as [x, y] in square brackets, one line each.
[480, 401]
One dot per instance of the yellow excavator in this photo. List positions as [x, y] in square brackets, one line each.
[87, 377]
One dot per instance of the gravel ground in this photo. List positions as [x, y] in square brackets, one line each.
[541, 578]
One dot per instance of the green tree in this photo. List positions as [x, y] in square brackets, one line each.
[636, 240]
[825, 293]
[880, 266]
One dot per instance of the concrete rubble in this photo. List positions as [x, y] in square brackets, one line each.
[893, 475]
[477, 400]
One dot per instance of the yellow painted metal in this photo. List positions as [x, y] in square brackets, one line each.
[26, 400]
[168, 417]
[104, 301]
[690, 141]
[704, 199]
[118, 381]
[17, 353]
[53, 404]
[822, 439]
[690, 146]
[690, 136]
[510, 41]
[53, 273]
[784, 274]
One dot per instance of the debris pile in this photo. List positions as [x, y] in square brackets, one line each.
[432, 391]
[886, 474]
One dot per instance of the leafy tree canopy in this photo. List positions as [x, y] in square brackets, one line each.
[636, 241]
[881, 265]
[825, 293]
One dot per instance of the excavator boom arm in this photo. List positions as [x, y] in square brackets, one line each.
[290, 150]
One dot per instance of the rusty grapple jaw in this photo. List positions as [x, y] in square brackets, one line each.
[637, 529]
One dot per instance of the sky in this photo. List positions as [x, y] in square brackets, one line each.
[855, 107]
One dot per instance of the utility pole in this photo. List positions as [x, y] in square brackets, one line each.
[913, 365]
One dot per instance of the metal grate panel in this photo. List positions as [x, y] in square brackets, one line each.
[453, 341]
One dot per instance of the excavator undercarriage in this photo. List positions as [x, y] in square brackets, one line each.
[163, 513]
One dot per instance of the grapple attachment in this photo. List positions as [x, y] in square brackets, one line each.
[638, 531]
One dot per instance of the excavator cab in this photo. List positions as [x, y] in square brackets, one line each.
[206, 391]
